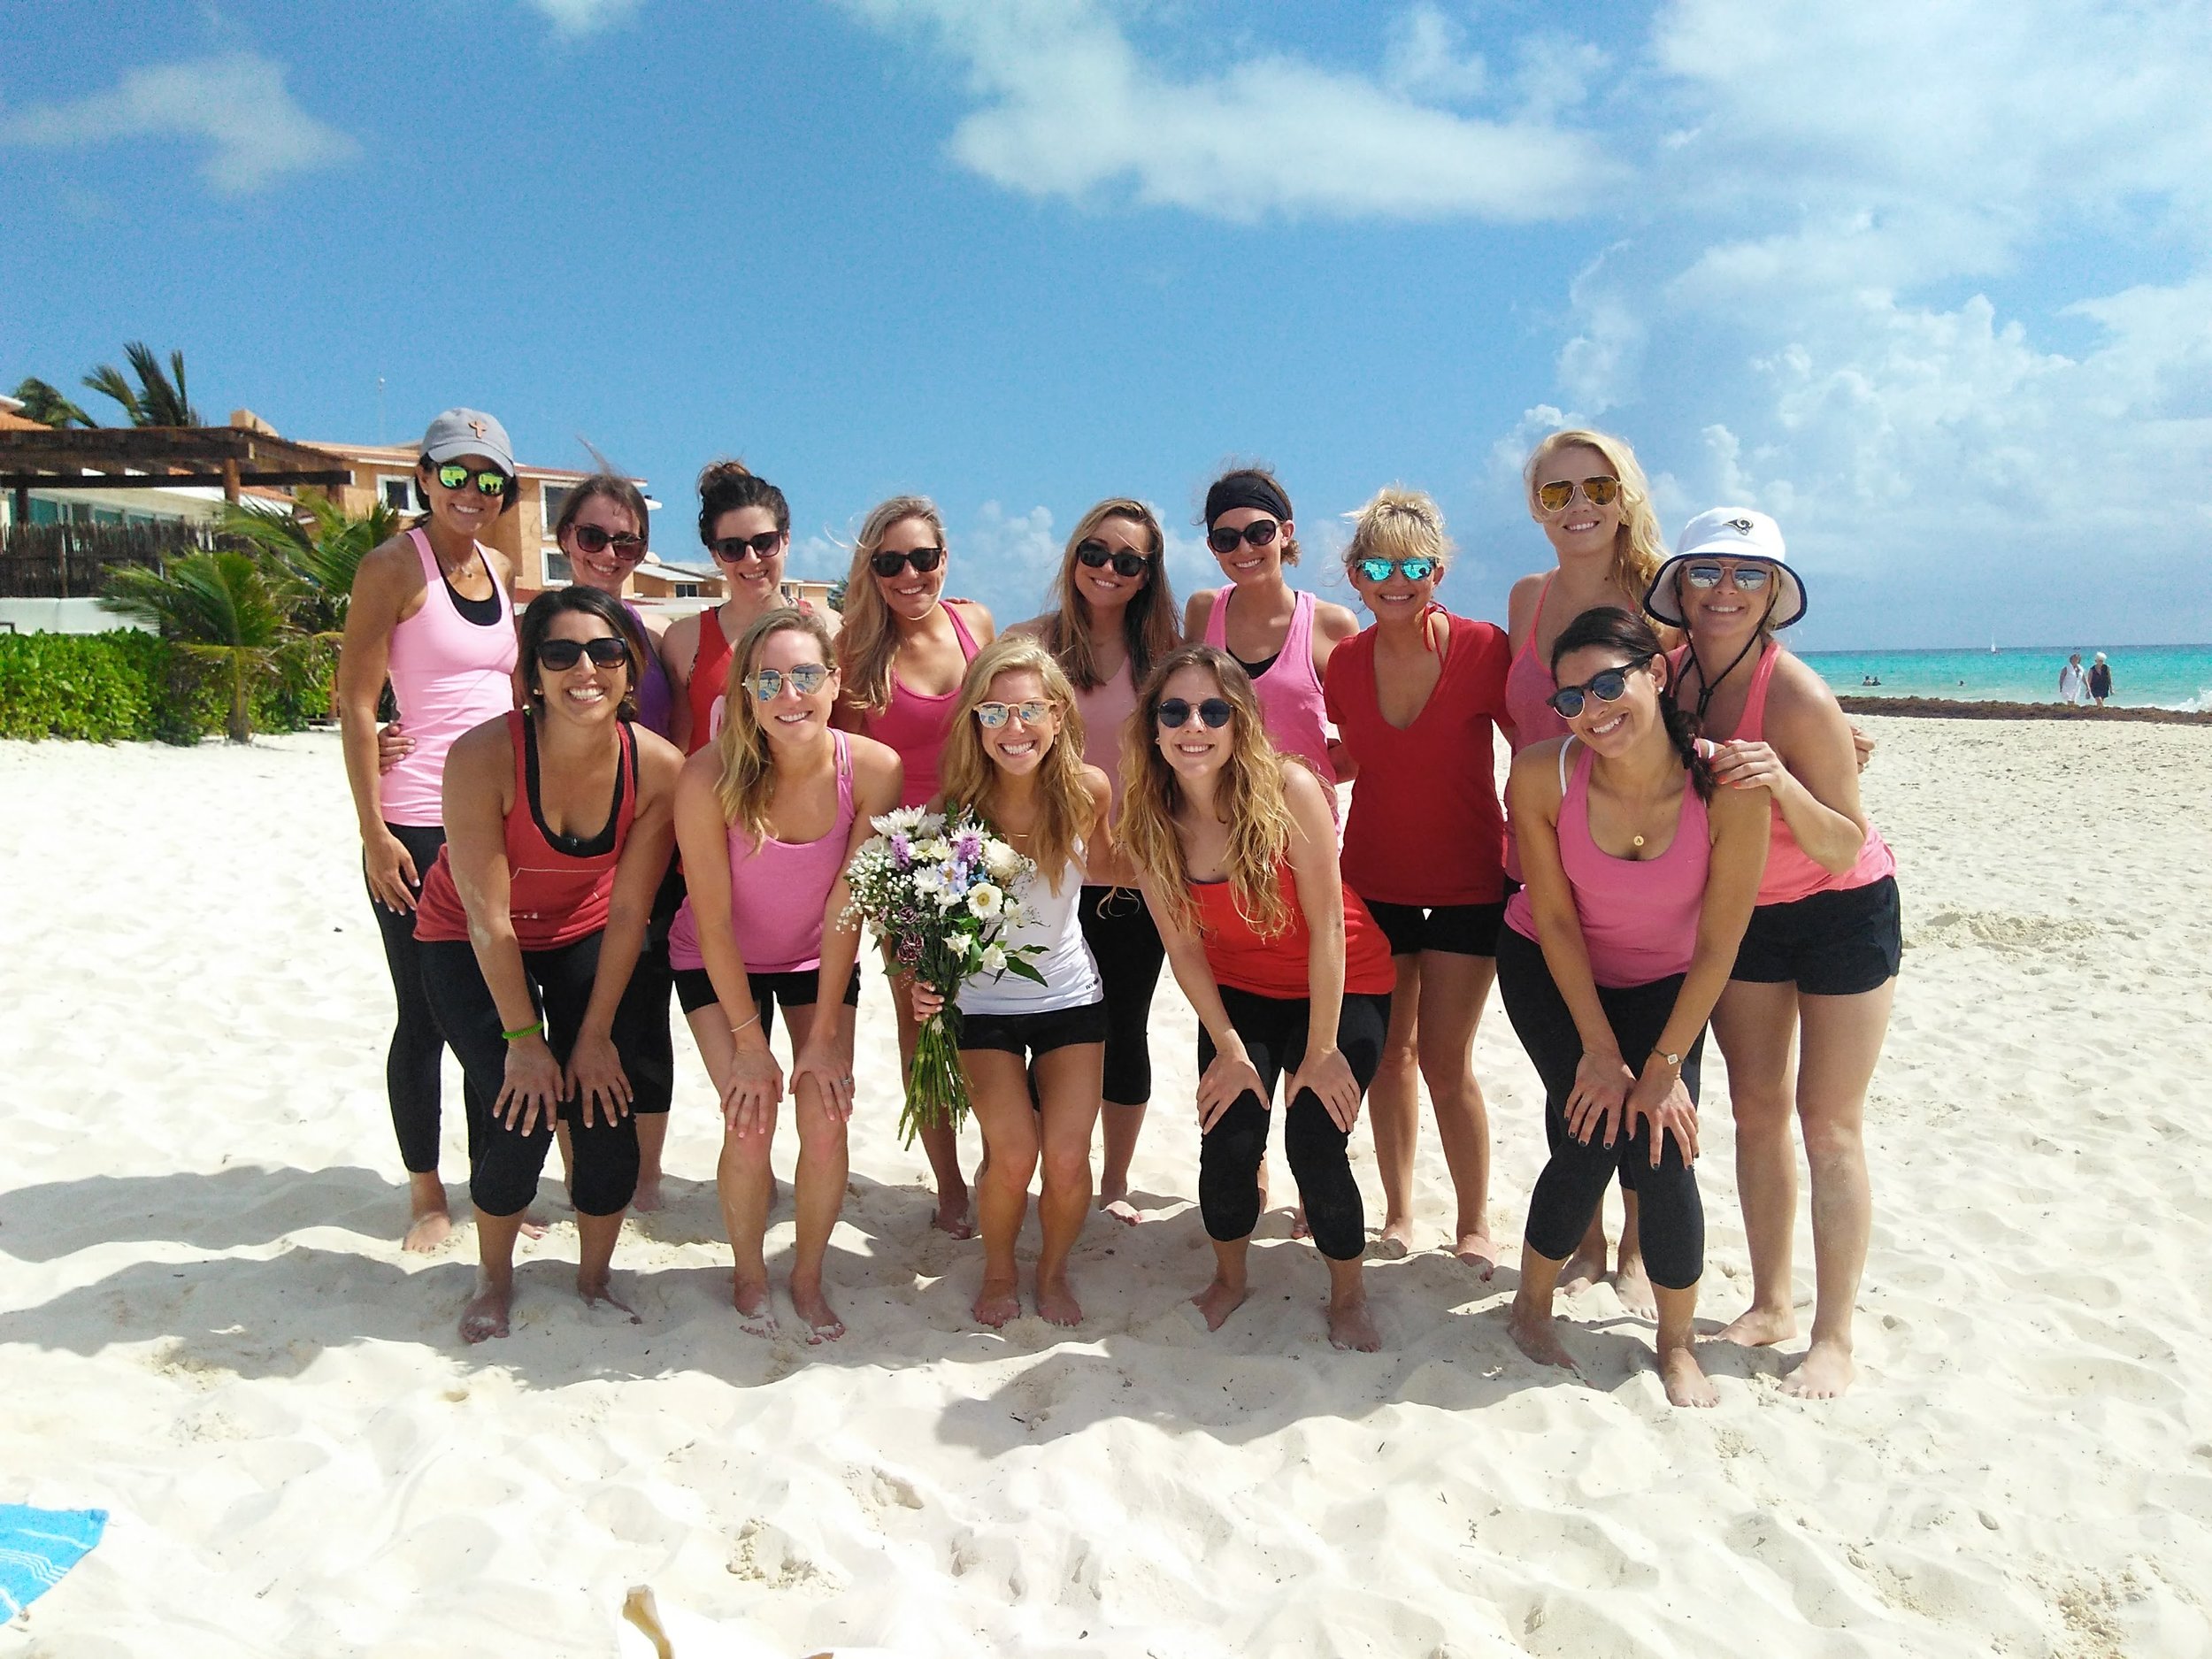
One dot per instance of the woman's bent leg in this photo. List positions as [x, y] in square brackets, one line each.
[1068, 1108]
[1395, 1103]
[742, 1178]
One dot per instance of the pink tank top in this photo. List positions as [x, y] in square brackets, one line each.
[1291, 704]
[1528, 687]
[1639, 916]
[448, 675]
[1106, 709]
[916, 725]
[1792, 874]
[777, 893]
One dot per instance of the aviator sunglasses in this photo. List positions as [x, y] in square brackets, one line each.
[994, 714]
[591, 538]
[804, 678]
[731, 548]
[924, 559]
[1750, 578]
[1420, 568]
[1259, 533]
[1606, 685]
[453, 475]
[1097, 555]
[1599, 492]
[1215, 712]
[560, 656]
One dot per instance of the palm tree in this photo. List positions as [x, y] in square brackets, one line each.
[318, 556]
[220, 608]
[156, 400]
[46, 404]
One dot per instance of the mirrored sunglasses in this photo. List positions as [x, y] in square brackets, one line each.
[1599, 492]
[994, 714]
[805, 678]
[1750, 578]
[453, 475]
[1417, 569]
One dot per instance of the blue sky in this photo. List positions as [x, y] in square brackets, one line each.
[1933, 286]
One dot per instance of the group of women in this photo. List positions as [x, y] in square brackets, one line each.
[1684, 846]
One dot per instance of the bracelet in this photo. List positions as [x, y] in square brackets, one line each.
[753, 1020]
[535, 1028]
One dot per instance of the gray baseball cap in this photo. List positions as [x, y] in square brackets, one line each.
[468, 431]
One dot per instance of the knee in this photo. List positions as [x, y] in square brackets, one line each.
[820, 1130]
[1011, 1169]
[1834, 1143]
[1067, 1168]
[1310, 1137]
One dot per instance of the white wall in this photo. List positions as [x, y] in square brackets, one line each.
[61, 616]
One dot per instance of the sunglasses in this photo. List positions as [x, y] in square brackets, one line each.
[1215, 712]
[1417, 569]
[924, 559]
[560, 656]
[453, 475]
[1606, 685]
[592, 538]
[1750, 578]
[1259, 533]
[994, 714]
[1097, 555]
[1599, 492]
[731, 548]
[805, 678]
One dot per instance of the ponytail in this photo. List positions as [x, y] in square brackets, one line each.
[1682, 727]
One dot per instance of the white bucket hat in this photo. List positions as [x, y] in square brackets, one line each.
[1736, 532]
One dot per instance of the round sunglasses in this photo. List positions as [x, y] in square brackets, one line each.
[731, 548]
[804, 678]
[1606, 685]
[1599, 492]
[1215, 712]
[1259, 533]
[1750, 578]
[453, 475]
[924, 560]
[994, 715]
[560, 656]
[1417, 569]
[1097, 555]
[591, 538]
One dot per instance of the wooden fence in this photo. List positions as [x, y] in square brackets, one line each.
[66, 561]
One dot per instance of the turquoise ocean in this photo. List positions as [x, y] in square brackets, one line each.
[2143, 676]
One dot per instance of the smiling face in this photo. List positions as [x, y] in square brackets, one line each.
[586, 692]
[1103, 587]
[1396, 595]
[1581, 528]
[608, 568]
[1245, 563]
[792, 716]
[1722, 616]
[911, 595]
[1016, 746]
[466, 512]
[1194, 749]
[755, 579]
[1613, 728]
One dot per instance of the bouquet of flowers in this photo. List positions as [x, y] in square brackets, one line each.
[943, 896]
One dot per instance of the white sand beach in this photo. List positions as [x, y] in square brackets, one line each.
[207, 1326]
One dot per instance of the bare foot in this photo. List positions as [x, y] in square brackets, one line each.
[822, 1323]
[755, 1307]
[649, 1196]
[486, 1316]
[1685, 1382]
[427, 1229]
[1352, 1326]
[1584, 1268]
[1056, 1303]
[1760, 1327]
[1114, 1202]
[1477, 1250]
[953, 1215]
[999, 1301]
[1395, 1241]
[1631, 1284]
[1537, 1335]
[1826, 1371]
[534, 1225]
[1218, 1301]
[1298, 1227]
[598, 1292]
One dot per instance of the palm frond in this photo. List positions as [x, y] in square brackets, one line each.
[108, 381]
[47, 405]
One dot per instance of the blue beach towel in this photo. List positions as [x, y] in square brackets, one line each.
[38, 1546]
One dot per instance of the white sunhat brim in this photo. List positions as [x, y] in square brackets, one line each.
[1659, 598]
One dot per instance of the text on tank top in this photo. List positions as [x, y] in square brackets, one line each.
[448, 674]
[1289, 690]
[915, 723]
[779, 891]
[1278, 965]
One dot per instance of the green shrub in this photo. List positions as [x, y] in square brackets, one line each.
[132, 687]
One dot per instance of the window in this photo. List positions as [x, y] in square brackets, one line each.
[399, 494]
[556, 568]
[107, 515]
[687, 590]
[556, 497]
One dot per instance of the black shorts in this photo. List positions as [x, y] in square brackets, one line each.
[1459, 930]
[1839, 943]
[802, 988]
[1034, 1034]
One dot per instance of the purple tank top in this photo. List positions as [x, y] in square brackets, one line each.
[448, 675]
[655, 696]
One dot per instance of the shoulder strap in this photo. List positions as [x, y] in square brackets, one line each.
[1565, 744]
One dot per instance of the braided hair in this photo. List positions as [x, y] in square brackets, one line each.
[1611, 628]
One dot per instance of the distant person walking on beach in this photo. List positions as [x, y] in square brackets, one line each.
[1809, 997]
[2073, 681]
[2100, 680]
[1640, 878]
[430, 612]
[559, 817]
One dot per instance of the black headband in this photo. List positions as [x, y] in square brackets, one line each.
[1246, 489]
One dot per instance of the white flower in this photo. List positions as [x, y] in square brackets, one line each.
[1000, 860]
[934, 851]
[986, 901]
[908, 819]
[927, 823]
[929, 881]
[994, 959]
[946, 900]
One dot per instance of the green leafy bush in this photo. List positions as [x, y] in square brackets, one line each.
[132, 687]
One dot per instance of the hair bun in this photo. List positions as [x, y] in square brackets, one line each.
[717, 472]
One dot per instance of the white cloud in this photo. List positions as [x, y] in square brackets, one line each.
[238, 103]
[573, 18]
[1070, 108]
[1427, 59]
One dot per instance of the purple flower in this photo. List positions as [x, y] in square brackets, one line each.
[901, 850]
[968, 846]
[909, 950]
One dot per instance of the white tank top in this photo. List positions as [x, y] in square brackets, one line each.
[1070, 975]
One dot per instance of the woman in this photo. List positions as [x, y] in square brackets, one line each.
[1015, 760]
[1817, 969]
[1639, 880]
[430, 612]
[1281, 636]
[1114, 619]
[745, 524]
[768, 817]
[1413, 699]
[901, 656]
[1235, 848]
[531, 920]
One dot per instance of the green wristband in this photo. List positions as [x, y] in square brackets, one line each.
[535, 1028]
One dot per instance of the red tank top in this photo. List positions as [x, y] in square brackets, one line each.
[710, 678]
[916, 725]
[556, 895]
[1277, 966]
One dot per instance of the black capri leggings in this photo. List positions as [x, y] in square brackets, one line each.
[1119, 928]
[1274, 1033]
[1670, 1218]
[503, 1175]
[411, 1063]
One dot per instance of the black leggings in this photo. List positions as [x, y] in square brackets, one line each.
[1670, 1219]
[1274, 1033]
[410, 1065]
[1119, 928]
[503, 1174]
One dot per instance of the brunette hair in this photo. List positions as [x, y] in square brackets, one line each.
[537, 626]
[1639, 548]
[967, 778]
[748, 777]
[1251, 796]
[1148, 625]
[1611, 628]
[870, 637]
[616, 488]
[727, 485]
[1257, 474]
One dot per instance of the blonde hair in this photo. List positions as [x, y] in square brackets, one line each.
[1251, 798]
[1399, 524]
[1148, 625]
[1639, 548]
[967, 777]
[870, 637]
[749, 764]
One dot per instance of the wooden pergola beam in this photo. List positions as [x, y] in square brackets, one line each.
[329, 478]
